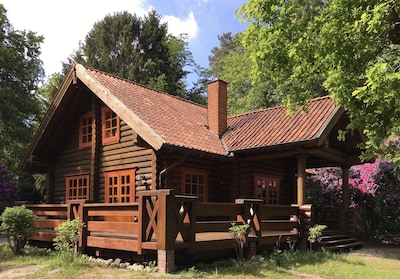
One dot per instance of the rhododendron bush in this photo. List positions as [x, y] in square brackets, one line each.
[8, 191]
[374, 193]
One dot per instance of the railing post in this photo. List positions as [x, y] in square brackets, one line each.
[75, 210]
[186, 208]
[342, 219]
[306, 221]
[166, 231]
[350, 222]
[158, 217]
[251, 215]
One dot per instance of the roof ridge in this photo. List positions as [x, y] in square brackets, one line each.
[275, 107]
[143, 86]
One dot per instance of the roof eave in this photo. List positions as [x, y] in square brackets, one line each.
[277, 145]
[70, 78]
[328, 125]
[140, 127]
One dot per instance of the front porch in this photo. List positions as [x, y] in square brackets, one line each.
[179, 230]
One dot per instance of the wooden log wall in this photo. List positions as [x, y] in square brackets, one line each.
[276, 168]
[220, 173]
[129, 152]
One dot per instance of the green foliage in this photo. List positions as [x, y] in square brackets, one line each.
[138, 49]
[239, 233]
[17, 226]
[231, 62]
[68, 233]
[341, 48]
[315, 234]
[21, 72]
[8, 190]
[31, 187]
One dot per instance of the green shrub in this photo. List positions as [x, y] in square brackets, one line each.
[239, 233]
[65, 242]
[315, 234]
[17, 226]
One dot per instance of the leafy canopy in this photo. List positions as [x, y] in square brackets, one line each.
[20, 73]
[231, 63]
[309, 48]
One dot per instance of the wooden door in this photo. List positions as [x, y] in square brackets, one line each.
[266, 188]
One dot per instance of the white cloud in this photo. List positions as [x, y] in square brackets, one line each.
[177, 26]
[64, 23]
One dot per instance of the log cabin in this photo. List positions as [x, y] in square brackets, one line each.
[106, 141]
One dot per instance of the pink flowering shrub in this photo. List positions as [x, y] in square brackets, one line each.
[8, 191]
[374, 192]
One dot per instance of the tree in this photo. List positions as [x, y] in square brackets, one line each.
[310, 48]
[21, 71]
[231, 62]
[8, 191]
[17, 225]
[139, 50]
[374, 192]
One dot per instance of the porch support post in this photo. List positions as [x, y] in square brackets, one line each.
[166, 226]
[345, 188]
[301, 180]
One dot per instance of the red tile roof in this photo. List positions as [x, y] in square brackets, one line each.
[184, 124]
[273, 126]
[177, 121]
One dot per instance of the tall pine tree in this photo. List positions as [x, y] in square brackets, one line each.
[138, 49]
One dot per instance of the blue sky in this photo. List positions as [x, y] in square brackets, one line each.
[64, 23]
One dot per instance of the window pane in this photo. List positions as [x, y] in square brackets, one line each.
[187, 178]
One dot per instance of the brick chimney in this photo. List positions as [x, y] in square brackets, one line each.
[217, 106]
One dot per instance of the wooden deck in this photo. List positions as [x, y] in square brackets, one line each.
[162, 223]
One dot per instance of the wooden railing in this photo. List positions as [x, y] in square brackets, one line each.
[166, 222]
[49, 217]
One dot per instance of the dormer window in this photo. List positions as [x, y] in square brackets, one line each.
[110, 123]
[85, 130]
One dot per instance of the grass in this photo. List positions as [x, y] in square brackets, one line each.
[279, 264]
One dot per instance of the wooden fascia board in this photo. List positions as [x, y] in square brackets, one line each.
[327, 127]
[70, 78]
[140, 127]
[328, 154]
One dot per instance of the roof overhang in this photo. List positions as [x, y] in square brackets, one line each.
[139, 126]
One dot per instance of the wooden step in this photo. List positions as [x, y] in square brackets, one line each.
[338, 241]
[345, 247]
[334, 237]
[334, 240]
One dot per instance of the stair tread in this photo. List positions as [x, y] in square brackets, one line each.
[341, 240]
[345, 246]
[333, 238]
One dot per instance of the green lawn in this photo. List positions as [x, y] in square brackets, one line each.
[276, 265]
